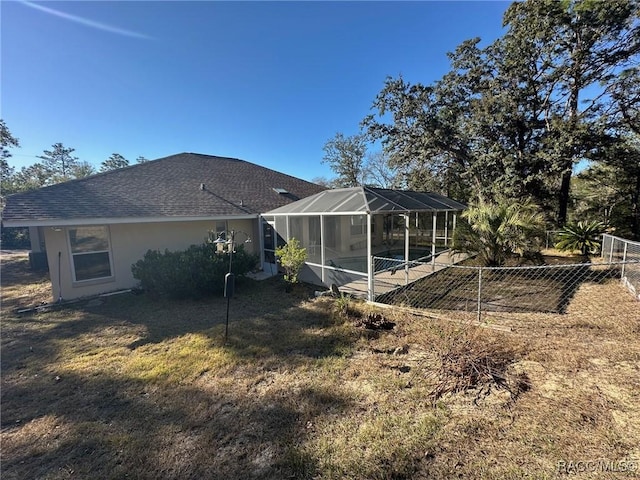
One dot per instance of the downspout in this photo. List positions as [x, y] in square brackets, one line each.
[59, 277]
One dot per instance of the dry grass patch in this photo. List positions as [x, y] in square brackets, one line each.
[22, 287]
[146, 389]
[468, 358]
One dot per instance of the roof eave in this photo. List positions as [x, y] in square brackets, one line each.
[65, 222]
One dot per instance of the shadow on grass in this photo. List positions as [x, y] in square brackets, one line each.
[17, 271]
[502, 290]
[260, 312]
[108, 425]
[104, 427]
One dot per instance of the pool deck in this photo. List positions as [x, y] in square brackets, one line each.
[389, 280]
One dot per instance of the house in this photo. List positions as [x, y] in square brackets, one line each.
[93, 229]
[343, 230]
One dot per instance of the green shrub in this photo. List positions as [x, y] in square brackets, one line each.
[582, 236]
[496, 231]
[15, 237]
[193, 273]
[292, 257]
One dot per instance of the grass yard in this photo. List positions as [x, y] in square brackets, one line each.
[134, 387]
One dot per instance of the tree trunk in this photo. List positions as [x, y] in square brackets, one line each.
[572, 149]
[563, 198]
[635, 210]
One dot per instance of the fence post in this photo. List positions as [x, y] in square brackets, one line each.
[407, 246]
[433, 241]
[372, 279]
[624, 259]
[613, 241]
[479, 294]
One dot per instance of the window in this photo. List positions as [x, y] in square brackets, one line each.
[315, 240]
[332, 232]
[358, 225]
[221, 228]
[281, 231]
[296, 230]
[90, 252]
[221, 234]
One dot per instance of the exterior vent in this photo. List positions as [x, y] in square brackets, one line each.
[281, 191]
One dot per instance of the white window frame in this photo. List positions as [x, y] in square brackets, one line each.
[358, 229]
[73, 254]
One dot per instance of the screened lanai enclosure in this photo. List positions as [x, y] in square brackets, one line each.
[344, 229]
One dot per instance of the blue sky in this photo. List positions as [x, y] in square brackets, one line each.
[267, 82]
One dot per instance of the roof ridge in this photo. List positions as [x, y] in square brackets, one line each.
[249, 163]
[149, 163]
[94, 175]
[165, 187]
[387, 199]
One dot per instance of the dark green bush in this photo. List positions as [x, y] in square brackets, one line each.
[15, 237]
[193, 273]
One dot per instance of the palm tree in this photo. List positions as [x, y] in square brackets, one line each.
[495, 231]
[583, 236]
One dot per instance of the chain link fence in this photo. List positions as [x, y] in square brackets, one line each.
[477, 292]
[619, 249]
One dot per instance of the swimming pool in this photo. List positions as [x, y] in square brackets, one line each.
[359, 263]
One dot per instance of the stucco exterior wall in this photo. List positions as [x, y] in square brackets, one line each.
[129, 243]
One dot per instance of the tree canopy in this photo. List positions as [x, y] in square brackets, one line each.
[59, 162]
[57, 165]
[114, 162]
[354, 164]
[345, 156]
[516, 117]
[7, 140]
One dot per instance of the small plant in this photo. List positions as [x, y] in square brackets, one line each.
[582, 236]
[292, 257]
[345, 308]
[343, 304]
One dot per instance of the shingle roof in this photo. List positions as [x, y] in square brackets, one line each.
[183, 185]
[367, 199]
